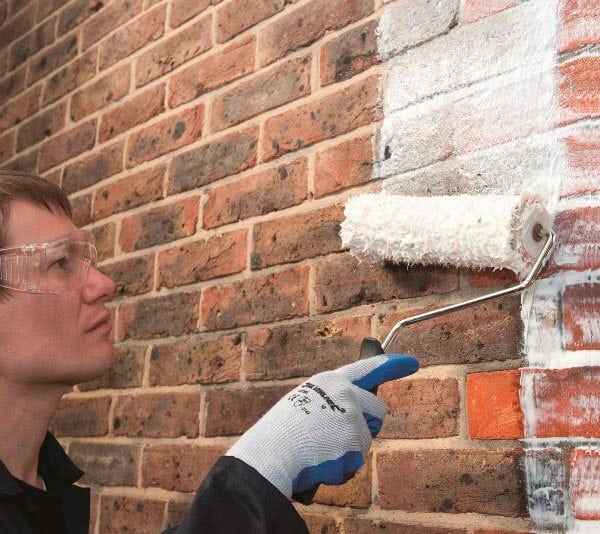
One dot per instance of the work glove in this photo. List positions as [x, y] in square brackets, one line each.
[320, 432]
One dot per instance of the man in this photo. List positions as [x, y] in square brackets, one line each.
[55, 333]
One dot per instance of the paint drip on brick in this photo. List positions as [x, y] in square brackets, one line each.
[475, 109]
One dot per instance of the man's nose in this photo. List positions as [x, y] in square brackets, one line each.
[98, 286]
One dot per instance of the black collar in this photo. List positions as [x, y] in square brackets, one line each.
[55, 467]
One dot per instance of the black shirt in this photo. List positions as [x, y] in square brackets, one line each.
[233, 498]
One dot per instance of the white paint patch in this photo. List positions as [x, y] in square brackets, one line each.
[475, 111]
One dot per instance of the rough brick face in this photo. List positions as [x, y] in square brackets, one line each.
[271, 190]
[180, 48]
[67, 145]
[197, 361]
[82, 417]
[43, 125]
[331, 116]
[126, 373]
[113, 16]
[70, 77]
[451, 481]
[134, 276]
[203, 260]
[137, 110]
[214, 160]
[267, 91]
[207, 74]
[106, 464]
[273, 297]
[307, 24]
[118, 514]
[164, 136]
[159, 225]
[156, 415]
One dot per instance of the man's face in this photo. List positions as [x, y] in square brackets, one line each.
[46, 338]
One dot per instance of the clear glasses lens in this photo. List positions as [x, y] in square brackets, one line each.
[67, 265]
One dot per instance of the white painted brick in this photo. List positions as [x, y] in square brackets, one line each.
[406, 23]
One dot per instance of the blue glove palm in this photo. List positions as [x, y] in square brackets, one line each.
[321, 431]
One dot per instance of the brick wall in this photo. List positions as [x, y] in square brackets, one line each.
[211, 145]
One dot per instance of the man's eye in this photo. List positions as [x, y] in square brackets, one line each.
[60, 263]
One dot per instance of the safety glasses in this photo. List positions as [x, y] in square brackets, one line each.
[57, 266]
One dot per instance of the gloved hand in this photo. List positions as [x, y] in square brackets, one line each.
[321, 431]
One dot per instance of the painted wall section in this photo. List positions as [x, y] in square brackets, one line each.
[506, 104]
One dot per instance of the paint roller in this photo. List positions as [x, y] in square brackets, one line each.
[498, 232]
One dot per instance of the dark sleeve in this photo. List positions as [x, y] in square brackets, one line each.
[235, 498]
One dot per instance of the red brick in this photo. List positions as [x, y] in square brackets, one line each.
[184, 10]
[41, 126]
[259, 299]
[67, 145]
[202, 260]
[212, 72]
[93, 168]
[236, 16]
[106, 464]
[578, 91]
[24, 163]
[70, 77]
[266, 91]
[271, 190]
[296, 238]
[12, 85]
[477, 9]
[176, 50]
[132, 191]
[355, 493]
[579, 24]
[230, 412]
[20, 109]
[494, 406]
[583, 156]
[81, 417]
[563, 401]
[17, 26]
[343, 282]
[214, 160]
[105, 236]
[168, 315]
[177, 467]
[177, 510]
[115, 15]
[581, 314]
[349, 54]
[125, 373]
[157, 415]
[452, 481]
[197, 361]
[32, 43]
[52, 58]
[75, 13]
[304, 349]
[133, 276]
[490, 278]
[165, 136]
[103, 92]
[307, 24]
[344, 165]
[136, 110]
[159, 225]
[578, 238]
[585, 483]
[7, 146]
[82, 208]
[357, 525]
[437, 416]
[487, 332]
[322, 119]
[132, 37]
[120, 514]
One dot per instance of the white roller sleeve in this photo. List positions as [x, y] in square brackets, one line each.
[462, 230]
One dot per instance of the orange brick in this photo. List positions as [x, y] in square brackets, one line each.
[493, 405]
[581, 317]
[579, 24]
[108, 19]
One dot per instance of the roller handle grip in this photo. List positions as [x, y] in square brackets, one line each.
[369, 347]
